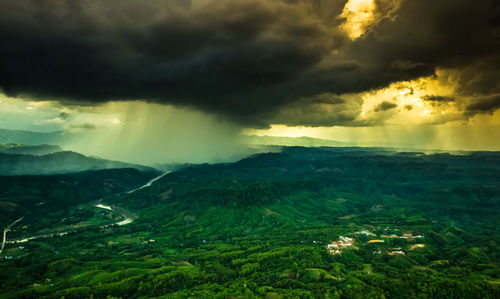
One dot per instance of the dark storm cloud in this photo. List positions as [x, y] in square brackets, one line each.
[481, 76]
[484, 105]
[84, 126]
[434, 98]
[321, 110]
[461, 36]
[385, 105]
[246, 60]
[64, 115]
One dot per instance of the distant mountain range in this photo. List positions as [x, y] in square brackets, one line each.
[57, 163]
[292, 141]
[29, 137]
[278, 141]
[265, 140]
[23, 149]
[59, 137]
[38, 153]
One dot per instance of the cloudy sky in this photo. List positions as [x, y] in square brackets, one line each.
[423, 73]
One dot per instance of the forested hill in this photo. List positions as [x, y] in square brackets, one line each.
[303, 223]
[438, 184]
[45, 197]
[58, 162]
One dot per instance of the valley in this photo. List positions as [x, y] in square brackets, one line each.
[4, 239]
[274, 149]
[123, 217]
[266, 226]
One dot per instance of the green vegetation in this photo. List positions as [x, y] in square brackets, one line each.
[50, 201]
[25, 163]
[259, 228]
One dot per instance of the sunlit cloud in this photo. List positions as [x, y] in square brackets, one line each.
[362, 15]
[359, 16]
[426, 113]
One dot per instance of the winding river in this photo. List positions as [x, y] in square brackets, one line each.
[128, 217]
[5, 233]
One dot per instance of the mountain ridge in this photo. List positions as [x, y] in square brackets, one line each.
[58, 163]
[26, 149]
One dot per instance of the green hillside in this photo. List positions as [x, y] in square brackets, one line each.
[303, 223]
[45, 200]
[57, 163]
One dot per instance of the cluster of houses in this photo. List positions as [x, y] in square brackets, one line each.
[376, 241]
[336, 247]
[417, 246]
[408, 236]
[366, 233]
[396, 252]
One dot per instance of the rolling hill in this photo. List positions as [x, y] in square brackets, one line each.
[56, 163]
[405, 225]
[49, 196]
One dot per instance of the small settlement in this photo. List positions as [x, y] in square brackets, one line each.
[417, 246]
[336, 247]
